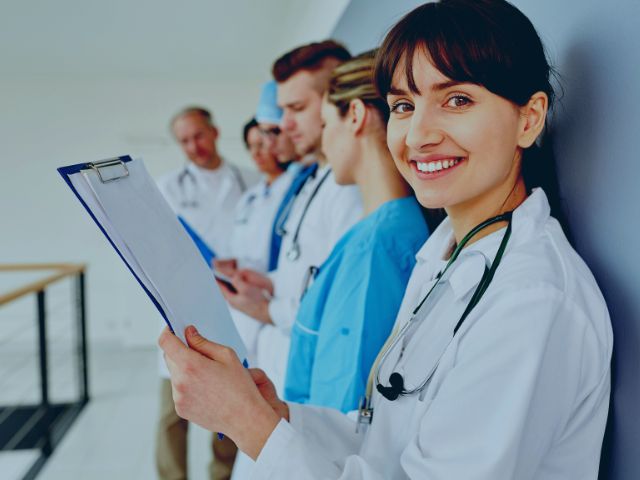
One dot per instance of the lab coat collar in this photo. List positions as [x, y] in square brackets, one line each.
[322, 169]
[529, 217]
[265, 189]
[308, 159]
[207, 173]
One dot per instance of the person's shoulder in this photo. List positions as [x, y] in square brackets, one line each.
[341, 192]
[241, 176]
[547, 257]
[399, 225]
[340, 201]
[547, 267]
[169, 177]
[168, 181]
[397, 229]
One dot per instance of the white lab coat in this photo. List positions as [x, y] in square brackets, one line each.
[332, 212]
[215, 194]
[251, 243]
[206, 199]
[253, 222]
[521, 392]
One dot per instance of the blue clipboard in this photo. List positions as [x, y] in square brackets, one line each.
[65, 172]
[207, 253]
[104, 171]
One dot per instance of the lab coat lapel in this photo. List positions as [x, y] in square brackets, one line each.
[438, 318]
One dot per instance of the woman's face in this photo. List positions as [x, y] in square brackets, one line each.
[264, 159]
[455, 143]
[338, 144]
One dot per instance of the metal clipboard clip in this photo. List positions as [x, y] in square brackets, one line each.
[101, 166]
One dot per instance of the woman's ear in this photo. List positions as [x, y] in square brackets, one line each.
[357, 116]
[532, 119]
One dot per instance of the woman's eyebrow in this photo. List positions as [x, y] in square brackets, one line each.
[396, 91]
[438, 87]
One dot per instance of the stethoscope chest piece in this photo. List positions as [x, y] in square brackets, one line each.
[293, 253]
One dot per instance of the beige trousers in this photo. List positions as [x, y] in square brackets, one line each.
[171, 444]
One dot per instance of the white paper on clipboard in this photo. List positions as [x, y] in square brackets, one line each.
[146, 232]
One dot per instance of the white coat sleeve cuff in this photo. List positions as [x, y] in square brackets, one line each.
[274, 451]
[281, 313]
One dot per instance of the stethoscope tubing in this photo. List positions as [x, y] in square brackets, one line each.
[477, 295]
[293, 253]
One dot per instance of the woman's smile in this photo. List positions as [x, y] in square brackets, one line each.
[434, 166]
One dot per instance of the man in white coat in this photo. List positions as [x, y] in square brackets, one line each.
[315, 217]
[204, 193]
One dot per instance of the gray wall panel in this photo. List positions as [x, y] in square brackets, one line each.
[594, 46]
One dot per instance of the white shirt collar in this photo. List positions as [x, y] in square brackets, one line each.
[529, 217]
[206, 172]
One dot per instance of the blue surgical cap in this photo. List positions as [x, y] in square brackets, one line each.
[268, 110]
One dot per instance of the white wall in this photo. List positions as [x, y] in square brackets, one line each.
[47, 123]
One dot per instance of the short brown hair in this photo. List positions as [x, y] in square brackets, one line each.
[309, 57]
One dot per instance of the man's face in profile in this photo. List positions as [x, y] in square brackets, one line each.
[301, 102]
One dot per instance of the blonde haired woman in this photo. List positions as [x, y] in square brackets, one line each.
[349, 310]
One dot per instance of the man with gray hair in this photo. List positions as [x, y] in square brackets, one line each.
[204, 193]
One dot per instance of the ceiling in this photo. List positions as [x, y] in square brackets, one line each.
[188, 39]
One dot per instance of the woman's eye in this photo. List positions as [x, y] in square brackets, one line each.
[400, 107]
[458, 101]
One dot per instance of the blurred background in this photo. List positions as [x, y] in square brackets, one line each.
[84, 80]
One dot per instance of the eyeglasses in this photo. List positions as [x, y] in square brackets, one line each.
[270, 132]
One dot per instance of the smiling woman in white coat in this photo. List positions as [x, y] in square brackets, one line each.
[499, 363]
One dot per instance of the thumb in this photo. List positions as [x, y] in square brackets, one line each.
[198, 343]
[258, 376]
[211, 350]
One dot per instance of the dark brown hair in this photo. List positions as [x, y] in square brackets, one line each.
[309, 57]
[486, 42]
[253, 123]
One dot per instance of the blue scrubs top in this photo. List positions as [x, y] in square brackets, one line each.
[348, 312]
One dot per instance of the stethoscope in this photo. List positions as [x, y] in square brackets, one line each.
[186, 200]
[191, 201]
[396, 380]
[245, 211]
[293, 253]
